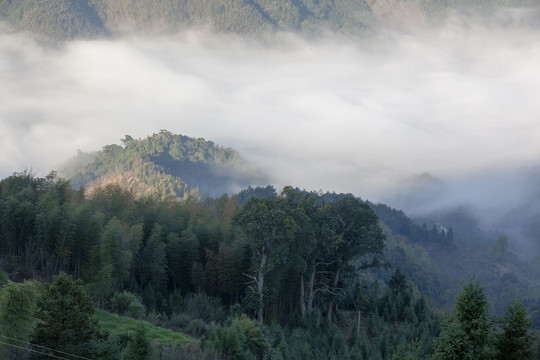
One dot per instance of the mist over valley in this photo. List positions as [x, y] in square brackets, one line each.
[333, 113]
[206, 154]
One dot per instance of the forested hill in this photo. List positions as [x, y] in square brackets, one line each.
[165, 164]
[68, 19]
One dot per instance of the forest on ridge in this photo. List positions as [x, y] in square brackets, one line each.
[253, 275]
[70, 19]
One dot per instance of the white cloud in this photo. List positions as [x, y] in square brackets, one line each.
[332, 114]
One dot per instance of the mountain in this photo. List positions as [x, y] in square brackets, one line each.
[438, 256]
[68, 19]
[166, 164]
[56, 19]
[80, 19]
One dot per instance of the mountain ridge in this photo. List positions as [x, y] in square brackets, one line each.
[69, 19]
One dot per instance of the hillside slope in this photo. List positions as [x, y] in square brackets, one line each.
[68, 19]
[165, 164]
[79, 19]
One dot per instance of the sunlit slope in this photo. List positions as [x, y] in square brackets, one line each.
[165, 164]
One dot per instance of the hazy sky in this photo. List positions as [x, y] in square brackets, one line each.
[333, 114]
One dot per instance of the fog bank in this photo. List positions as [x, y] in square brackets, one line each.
[460, 103]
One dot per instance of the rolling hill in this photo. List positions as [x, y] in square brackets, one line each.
[165, 164]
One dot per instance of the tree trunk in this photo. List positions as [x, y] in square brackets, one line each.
[358, 324]
[260, 287]
[302, 296]
[311, 294]
[334, 284]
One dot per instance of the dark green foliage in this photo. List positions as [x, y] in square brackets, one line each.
[139, 347]
[452, 343]
[204, 307]
[270, 231]
[410, 351]
[17, 307]
[395, 219]
[151, 268]
[468, 333]
[514, 341]
[126, 303]
[65, 318]
[18, 195]
[241, 340]
[358, 241]
[182, 254]
[471, 311]
[187, 264]
[257, 192]
[118, 246]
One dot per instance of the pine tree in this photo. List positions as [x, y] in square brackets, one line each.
[468, 333]
[514, 343]
[452, 343]
[472, 313]
[139, 347]
[65, 318]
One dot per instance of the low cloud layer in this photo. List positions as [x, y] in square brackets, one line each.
[338, 115]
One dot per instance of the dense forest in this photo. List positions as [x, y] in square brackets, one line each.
[258, 275]
[71, 19]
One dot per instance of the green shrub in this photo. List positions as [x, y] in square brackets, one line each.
[128, 304]
[139, 347]
[204, 307]
[242, 339]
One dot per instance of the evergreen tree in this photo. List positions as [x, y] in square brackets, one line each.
[152, 268]
[182, 253]
[514, 343]
[452, 343]
[409, 351]
[118, 244]
[65, 319]
[270, 231]
[139, 347]
[357, 242]
[468, 333]
[472, 313]
[242, 339]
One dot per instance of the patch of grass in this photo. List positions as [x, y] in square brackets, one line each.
[117, 325]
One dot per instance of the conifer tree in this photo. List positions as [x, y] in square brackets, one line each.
[514, 342]
[65, 318]
[468, 333]
[139, 347]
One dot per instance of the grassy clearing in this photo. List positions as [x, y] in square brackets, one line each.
[118, 325]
